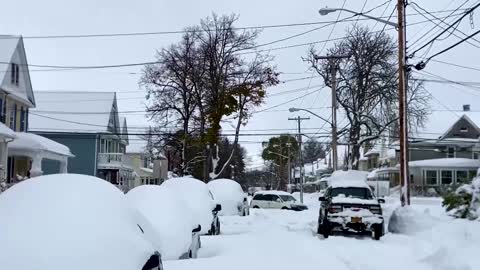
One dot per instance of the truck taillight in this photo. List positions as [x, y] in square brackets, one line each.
[377, 210]
[335, 209]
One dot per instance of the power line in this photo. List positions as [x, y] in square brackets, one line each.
[455, 65]
[470, 10]
[154, 33]
[452, 46]
[71, 68]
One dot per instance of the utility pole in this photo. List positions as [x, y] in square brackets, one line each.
[333, 70]
[300, 153]
[289, 164]
[402, 94]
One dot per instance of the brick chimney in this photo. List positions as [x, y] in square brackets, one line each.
[466, 107]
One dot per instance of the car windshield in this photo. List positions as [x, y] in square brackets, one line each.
[287, 198]
[352, 192]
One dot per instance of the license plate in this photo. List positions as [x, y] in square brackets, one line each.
[356, 220]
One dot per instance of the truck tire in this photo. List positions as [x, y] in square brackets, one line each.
[325, 228]
[377, 231]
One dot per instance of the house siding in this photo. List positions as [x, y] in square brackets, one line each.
[81, 145]
[419, 154]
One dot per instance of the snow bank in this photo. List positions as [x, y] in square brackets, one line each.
[407, 220]
[168, 216]
[229, 194]
[69, 221]
[196, 196]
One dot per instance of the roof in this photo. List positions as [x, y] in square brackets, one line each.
[446, 163]
[12, 50]
[32, 142]
[347, 183]
[77, 112]
[6, 132]
[273, 192]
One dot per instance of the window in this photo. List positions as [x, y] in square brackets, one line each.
[270, 197]
[22, 119]
[431, 178]
[102, 146]
[15, 74]
[287, 198]
[351, 192]
[463, 129]
[447, 177]
[258, 197]
[475, 155]
[450, 152]
[462, 176]
[13, 116]
[471, 175]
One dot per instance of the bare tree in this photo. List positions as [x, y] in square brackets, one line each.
[367, 86]
[171, 91]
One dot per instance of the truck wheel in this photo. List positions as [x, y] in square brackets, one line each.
[256, 207]
[284, 208]
[377, 231]
[325, 229]
[319, 229]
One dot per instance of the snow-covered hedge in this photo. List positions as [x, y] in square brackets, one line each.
[465, 201]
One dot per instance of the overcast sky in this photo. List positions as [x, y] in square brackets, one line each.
[59, 17]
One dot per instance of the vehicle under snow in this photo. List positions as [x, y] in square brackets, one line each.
[175, 234]
[230, 195]
[350, 206]
[74, 222]
[199, 200]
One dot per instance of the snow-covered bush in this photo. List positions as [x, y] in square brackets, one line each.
[408, 220]
[465, 201]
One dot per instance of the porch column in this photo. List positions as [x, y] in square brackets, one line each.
[36, 169]
[64, 165]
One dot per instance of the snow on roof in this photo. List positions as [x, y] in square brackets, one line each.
[446, 163]
[62, 111]
[391, 153]
[6, 132]
[351, 175]
[349, 183]
[372, 151]
[32, 142]
[163, 209]
[70, 221]
[273, 192]
[372, 174]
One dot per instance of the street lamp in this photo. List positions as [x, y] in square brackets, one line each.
[325, 11]
[402, 82]
[300, 109]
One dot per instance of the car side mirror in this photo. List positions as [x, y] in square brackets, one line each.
[218, 208]
[154, 262]
[199, 228]
[381, 200]
[322, 199]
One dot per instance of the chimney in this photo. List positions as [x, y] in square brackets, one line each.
[466, 107]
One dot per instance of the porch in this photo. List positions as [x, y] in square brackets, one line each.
[26, 153]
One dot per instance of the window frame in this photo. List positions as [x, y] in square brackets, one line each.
[425, 177]
[454, 152]
[442, 177]
[456, 176]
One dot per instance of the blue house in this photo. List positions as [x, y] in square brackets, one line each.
[89, 124]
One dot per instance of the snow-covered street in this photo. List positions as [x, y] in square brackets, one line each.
[280, 239]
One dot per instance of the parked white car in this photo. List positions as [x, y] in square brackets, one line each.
[74, 222]
[200, 201]
[277, 200]
[230, 195]
[175, 233]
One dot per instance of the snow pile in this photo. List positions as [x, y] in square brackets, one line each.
[229, 194]
[351, 175]
[168, 216]
[465, 201]
[196, 196]
[69, 221]
[408, 220]
[7, 132]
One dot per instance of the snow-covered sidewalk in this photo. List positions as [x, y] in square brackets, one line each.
[279, 239]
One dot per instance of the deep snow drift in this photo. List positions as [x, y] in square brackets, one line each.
[286, 240]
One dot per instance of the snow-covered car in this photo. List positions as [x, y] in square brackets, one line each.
[74, 222]
[350, 206]
[277, 200]
[200, 201]
[175, 234]
[230, 195]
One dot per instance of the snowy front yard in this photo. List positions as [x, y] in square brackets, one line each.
[280, 239]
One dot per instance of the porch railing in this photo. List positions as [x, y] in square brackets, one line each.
[110, 158]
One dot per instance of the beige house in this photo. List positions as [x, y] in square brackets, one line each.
[25, 151]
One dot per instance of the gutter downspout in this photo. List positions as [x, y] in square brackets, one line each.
[96, 156]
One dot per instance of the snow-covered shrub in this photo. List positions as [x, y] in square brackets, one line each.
[407, 220]
[465, 201]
